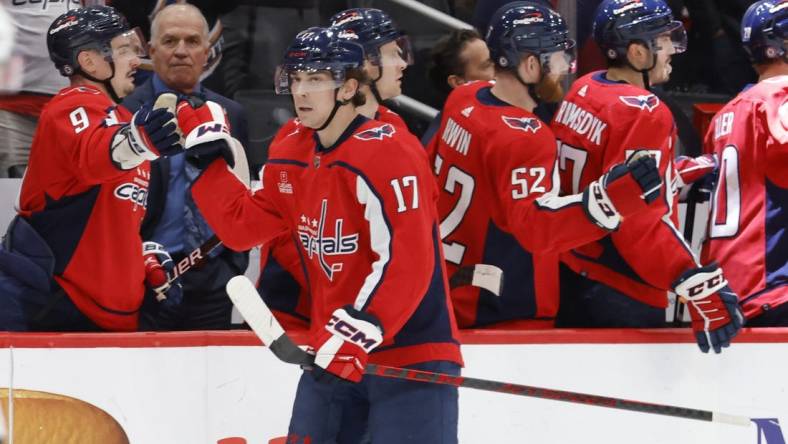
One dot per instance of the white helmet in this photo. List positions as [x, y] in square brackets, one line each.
[10, 65]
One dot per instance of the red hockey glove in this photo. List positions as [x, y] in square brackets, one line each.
[208, 137]
[207, 131]
[626, 189]
[341, 348]
[153, 132]
[157, 263]
[714, 307]
[691, 169]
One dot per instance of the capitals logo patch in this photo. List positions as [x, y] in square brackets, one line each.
[647, 102]
[522, 123]
[377, 133]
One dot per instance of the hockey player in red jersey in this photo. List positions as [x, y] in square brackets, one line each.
[495, 165]
[750, 207]
[623, 279]
[73, 258]
[388, 53]
[359, 197]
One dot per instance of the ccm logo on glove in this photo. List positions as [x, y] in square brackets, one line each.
[709, 284]
[351, 333]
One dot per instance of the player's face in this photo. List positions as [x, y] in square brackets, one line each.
[393, 64]
[126, 51]
[313, 96]
[477, 63]
[180, 50]
[665, 49]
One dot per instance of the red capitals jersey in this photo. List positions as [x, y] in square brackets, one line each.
[88, 211]
[600, 123]
[747, 232]
[363, 212]
[495, 165]
[282, 282]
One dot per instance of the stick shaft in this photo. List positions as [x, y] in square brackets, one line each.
[556, 395]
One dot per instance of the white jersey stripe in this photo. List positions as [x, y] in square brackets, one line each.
[379, 239]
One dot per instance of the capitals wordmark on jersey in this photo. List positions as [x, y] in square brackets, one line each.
[313, 238]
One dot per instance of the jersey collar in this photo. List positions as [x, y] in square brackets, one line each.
[354, 125]
[486, 97]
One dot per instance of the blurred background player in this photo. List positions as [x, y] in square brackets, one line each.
[73, 258]
[750, 137]
[179, 50]
[19, 112]
[459, 57]
[622, 280]
[388, 53]
[495, 164]
[359, 195]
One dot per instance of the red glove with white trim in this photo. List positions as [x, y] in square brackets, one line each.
[714, 307]
[157, 263]
[341, 348]
[207, 131]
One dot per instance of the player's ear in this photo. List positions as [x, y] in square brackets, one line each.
[454, 81]
[87, 62]
[638, 55]
[349, 89]
[529, 68]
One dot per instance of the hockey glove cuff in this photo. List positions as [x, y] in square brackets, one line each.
[714, 307]
[341, 348]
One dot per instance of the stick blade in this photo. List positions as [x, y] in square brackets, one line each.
[254, 311]
[731, 419]
[488, 277]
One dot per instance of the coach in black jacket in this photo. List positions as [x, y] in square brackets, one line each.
[179, 49]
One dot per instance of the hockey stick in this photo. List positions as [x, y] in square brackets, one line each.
[267, 328]
[488, 277]
[195, 258]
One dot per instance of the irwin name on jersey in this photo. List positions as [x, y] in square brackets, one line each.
[581, 121]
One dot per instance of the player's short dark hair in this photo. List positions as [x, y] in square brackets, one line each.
[360, 75]
[445, 57]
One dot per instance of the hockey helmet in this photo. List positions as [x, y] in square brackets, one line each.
[528, 28]
[372, 28]
[617, 23]
[764, 29]
[314, 50]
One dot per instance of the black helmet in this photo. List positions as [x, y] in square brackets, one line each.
[93, 27]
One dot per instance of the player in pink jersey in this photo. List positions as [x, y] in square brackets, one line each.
[358, 196]
[73, 258]
[495, 164]
[750, 207]
[623, 279]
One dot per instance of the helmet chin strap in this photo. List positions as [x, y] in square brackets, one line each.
[644, 72]
[106, 82]
[530, 86]
[337, 103]
[373, 86]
